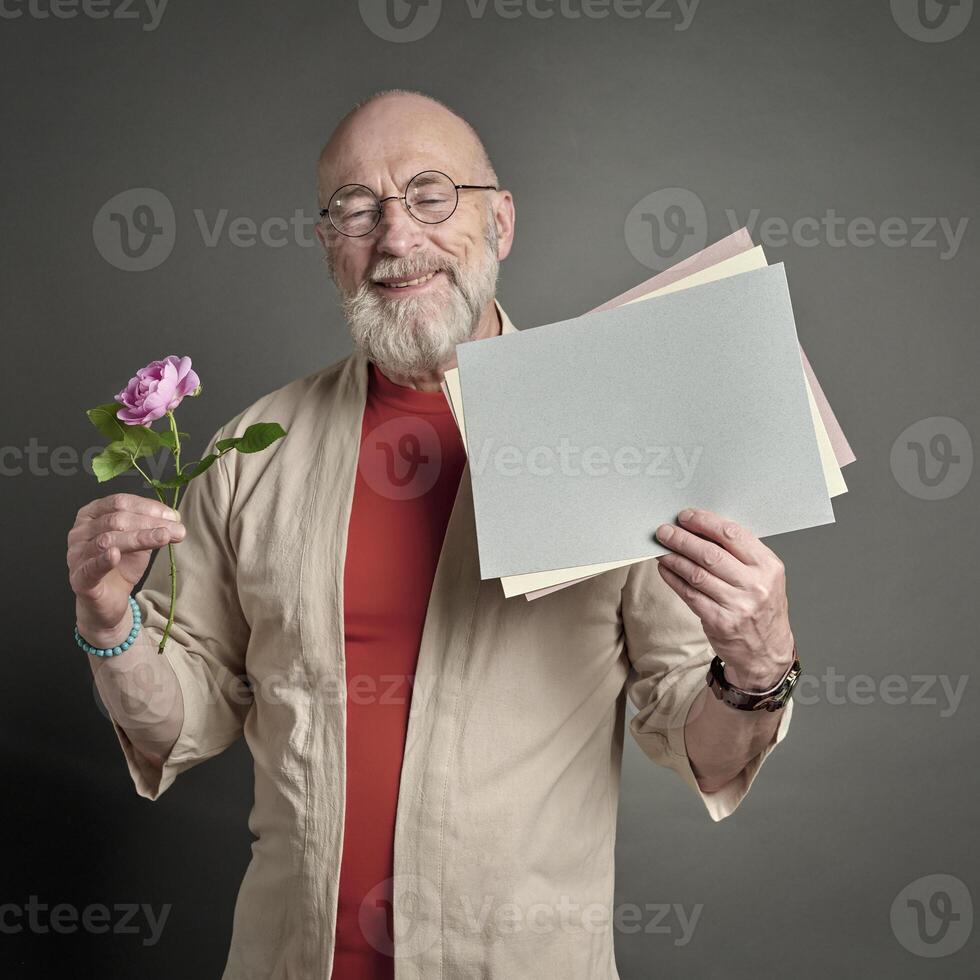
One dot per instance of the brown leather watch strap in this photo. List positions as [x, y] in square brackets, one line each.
[772, 700]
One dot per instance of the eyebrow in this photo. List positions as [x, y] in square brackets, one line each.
[433, 180]
[402, 186]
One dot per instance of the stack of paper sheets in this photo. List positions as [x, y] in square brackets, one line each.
[691, 389]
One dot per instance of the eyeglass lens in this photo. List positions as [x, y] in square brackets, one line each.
[355, 209]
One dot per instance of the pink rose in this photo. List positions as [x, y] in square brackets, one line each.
[157, 389]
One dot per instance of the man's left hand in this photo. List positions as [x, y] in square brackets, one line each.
[737, 588]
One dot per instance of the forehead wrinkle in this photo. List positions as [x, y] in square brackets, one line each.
[448, 145]
[399, 176]
[397, 167]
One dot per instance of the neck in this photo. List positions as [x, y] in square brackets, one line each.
[489, 325]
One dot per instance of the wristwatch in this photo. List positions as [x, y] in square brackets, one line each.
[771, 700]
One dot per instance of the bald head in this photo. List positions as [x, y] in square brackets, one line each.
[396, 134]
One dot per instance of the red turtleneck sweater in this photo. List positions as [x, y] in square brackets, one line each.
[408, 471]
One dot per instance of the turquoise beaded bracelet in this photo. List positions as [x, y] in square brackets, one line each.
[125, 645]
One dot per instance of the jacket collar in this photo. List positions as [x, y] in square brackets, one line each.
[505, 325]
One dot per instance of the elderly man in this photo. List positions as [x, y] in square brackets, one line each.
[436, 766]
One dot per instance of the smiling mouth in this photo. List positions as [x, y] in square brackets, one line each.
[404, 283]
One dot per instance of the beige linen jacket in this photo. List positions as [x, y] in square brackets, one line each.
[509, 789]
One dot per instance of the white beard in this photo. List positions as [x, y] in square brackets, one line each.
[414, 336]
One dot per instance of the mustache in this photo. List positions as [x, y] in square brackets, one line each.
[411, 266]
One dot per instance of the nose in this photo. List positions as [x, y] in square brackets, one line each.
[398, 233]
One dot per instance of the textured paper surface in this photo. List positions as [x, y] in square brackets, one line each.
[842, 448]
[537, 584]
[713, 372]
[735, 243]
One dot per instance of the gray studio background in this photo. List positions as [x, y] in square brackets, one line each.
[861, 118]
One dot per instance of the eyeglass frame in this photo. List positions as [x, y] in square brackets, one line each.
[325, 212]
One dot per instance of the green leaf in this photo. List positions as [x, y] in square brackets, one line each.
[138, 439]
[172, 483]
[260, 436]
[254, 439]
[103, 417]
[201, 466]
[141, 441]
[167, 438]
[112, 461]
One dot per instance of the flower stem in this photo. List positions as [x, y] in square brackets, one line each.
[170, 547]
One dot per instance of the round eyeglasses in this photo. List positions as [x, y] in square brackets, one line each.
[430, 197]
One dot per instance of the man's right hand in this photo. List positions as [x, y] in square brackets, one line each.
[109, 548]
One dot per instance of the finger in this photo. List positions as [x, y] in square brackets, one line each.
[115, 520]
[145, 539]
[733, 537]
[707, 554]
[701, 579]
[86, 576]
[131, 502]
[700, 604]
